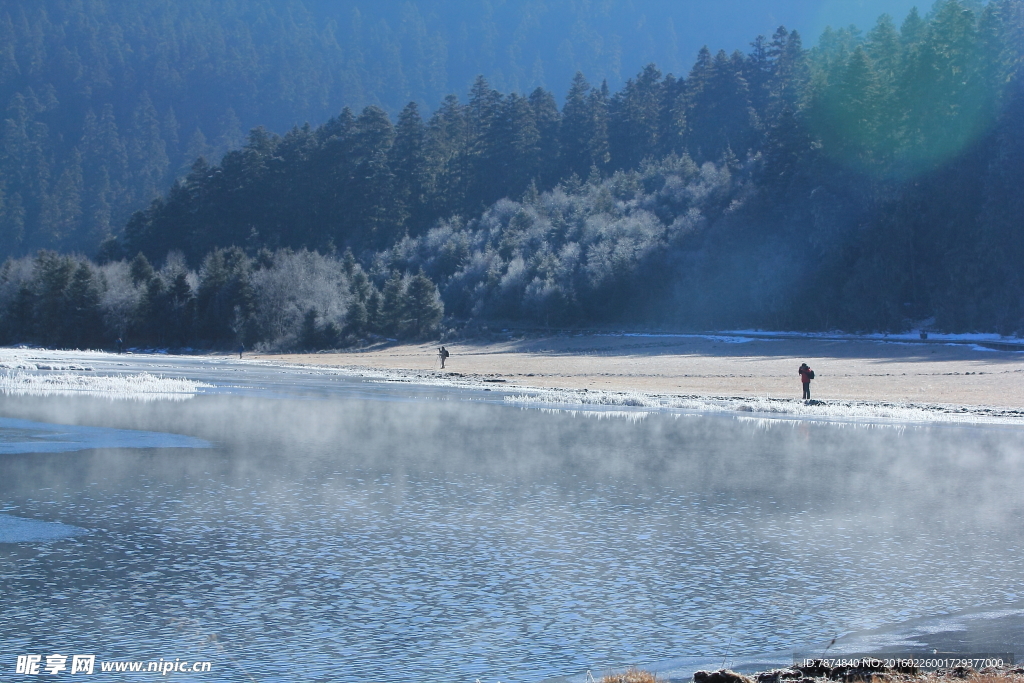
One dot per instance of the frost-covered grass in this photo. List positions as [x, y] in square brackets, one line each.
[53, 372]
[27, 358]
[843, 410]
[139, 386]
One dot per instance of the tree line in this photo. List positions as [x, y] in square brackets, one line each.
[103, 103]
[868, 183]
[297, 300]
[364, 181]
[872, 183]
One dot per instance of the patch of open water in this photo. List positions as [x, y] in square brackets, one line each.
[338, 530]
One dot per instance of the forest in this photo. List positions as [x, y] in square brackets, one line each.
[870, 182]
[103, 103]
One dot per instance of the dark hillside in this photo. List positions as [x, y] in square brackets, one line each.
[870, 182]
[863, 183]
[104, 102]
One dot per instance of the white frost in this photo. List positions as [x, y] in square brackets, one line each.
[140, 386]
[832, 410]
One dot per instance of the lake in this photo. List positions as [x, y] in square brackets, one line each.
[287, 524]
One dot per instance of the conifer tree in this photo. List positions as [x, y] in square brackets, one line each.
[547, 119]
[576, 127]
[423, 307]
[407, 158]
[634, 119]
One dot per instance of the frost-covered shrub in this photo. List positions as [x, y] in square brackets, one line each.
[300, 289]
[121, 300]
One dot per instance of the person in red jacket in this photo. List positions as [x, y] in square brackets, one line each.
[806, 375]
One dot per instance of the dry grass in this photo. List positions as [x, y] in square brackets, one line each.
[950, 676]
[969, 676]
[634, 675]
[631, 675]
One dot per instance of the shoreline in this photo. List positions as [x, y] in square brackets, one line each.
[857, 379]
[863, 378]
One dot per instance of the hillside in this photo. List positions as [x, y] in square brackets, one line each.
[104, 103]
[868, 182]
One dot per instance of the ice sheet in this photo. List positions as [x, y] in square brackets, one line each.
[25, 436]
[22, 530]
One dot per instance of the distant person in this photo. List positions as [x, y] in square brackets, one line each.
[806, 375]
[443, 354]
[241, 348]
[120, 344]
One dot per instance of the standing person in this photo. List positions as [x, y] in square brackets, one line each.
[806, 375]
[241, 348]
[443, 354]
[120, 345]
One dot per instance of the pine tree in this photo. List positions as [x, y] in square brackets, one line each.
[61, 221]
[373, 218]
[519, 151]
[575, 129]
[634, 118]
[720, 114]
[84, 322]
[392, 305]
[859, 102]
[547, 119]
[485, 125]
[943, 89]
[141, 270]
[181, 310]
[407, 159]
[787, 88]
[148, 151]
[448, 157]
[423, 307]
[598, 103]
[52, 320]
[758, 73]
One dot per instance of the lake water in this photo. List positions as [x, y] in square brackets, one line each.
[290, 526]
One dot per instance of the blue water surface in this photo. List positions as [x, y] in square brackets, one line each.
[350, 531]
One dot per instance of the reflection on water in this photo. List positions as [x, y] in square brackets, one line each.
[332, 538]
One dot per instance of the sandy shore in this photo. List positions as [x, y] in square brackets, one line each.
[717, 366]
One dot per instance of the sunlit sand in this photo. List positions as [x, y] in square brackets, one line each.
[716, 366]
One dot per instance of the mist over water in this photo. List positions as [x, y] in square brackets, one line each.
[367, 532]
